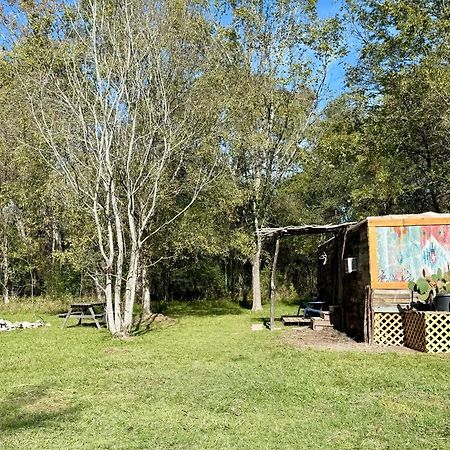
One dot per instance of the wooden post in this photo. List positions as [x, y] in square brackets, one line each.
[368, 315]
[273, 284]
[341, 273]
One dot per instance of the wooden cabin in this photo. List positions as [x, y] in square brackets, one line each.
[364, 270]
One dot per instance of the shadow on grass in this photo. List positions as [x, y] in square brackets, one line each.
[204, 308]
[144, 323]
[84, 325]
[175, 310]
[266, 321]
[32, 407]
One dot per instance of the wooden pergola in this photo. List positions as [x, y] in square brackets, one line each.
[300, 230]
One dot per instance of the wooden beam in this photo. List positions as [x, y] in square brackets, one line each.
[303, 230]
[409, 220]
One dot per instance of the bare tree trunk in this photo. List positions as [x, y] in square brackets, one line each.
[80, 290]
[56, 239]
[5, 265]
[256, 276]
[98, 291]
[146, 305]
[256, 264]
[6, 295]
[256, 260]
[130, 292]
[32, 282]
[225, 274]
[119, 259]
[273, 285]
[109, 305]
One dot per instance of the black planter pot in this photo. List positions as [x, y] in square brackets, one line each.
[442, 302]
[422, 306]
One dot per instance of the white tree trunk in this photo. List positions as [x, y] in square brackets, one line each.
[32, 282]
[119, 260]
[56, 239]
[130, 292]
[109, 306]
[98, 290]
[256, 259]
[256, 277]
[273, 284]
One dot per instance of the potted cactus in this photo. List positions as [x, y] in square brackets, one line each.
[434, 289]
[429, 331]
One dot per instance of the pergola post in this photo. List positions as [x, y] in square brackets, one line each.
[273, 283]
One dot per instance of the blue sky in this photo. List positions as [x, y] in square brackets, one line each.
[328, 8]
[336, 78]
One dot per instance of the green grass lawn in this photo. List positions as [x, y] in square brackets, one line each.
[208, 381]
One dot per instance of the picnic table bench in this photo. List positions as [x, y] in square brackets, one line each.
[91, 311]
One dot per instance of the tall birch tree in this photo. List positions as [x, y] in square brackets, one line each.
[119, 112]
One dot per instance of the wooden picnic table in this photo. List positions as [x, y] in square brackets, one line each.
[94, 311]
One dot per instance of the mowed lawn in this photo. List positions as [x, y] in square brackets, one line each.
[207, 381]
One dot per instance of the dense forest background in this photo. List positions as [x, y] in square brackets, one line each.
[144, 144]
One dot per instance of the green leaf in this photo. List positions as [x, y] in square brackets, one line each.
[423, 286]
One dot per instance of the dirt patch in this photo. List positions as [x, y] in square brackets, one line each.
[115, 351]
[45, 405]
[329, 338]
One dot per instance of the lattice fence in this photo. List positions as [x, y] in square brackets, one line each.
[388, 329]
[427, 331]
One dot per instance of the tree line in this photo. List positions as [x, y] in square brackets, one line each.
[144, 144]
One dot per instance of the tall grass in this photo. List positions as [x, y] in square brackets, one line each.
[38, 305]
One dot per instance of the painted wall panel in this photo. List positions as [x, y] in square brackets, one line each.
[404, 251]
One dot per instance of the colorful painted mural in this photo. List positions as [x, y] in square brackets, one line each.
[404, 252]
